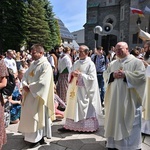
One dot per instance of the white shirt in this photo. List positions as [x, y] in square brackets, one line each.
[51, 61]
[64, 62]
[11, 63]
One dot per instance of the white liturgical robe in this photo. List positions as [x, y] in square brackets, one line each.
[83, 99]
[146, 105]
[40, 99]
[123, 97]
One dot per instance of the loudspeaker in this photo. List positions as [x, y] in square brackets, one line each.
[107, 28]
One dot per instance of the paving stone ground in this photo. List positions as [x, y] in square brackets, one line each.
[64, 141]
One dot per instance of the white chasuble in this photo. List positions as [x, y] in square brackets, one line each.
[39, 79]
[146, 104]
[123, 97]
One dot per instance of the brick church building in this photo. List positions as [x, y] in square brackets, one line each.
[124, 24]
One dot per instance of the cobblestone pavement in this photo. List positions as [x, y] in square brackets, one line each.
[63, 141]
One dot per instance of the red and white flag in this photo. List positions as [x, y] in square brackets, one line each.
[137, 11]
[147, 10]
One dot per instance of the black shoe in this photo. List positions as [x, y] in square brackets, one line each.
[61, 108]
[64, 130]
[42, 141]
[33, 145]
[102, 105]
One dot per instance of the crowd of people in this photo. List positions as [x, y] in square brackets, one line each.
[81, 86]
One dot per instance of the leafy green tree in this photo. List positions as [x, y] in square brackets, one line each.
[12, 28]
[37, 26]
[26, 22]
[55, 38]
[57, 32]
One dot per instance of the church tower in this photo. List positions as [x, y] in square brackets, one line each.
[117, 13]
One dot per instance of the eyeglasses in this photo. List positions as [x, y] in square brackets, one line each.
[81, 51]
[34, 52]
[145, 47]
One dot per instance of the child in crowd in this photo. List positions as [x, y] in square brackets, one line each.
[15, 103]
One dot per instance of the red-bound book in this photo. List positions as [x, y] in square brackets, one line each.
[71, 78]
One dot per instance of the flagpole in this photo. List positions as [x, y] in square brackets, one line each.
[147, 11]
[138, 23]
[148, 23]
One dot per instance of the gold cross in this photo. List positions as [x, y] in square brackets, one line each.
[31, 73]
[72, 94]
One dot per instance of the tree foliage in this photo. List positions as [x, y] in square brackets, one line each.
[12, 19]
[37, 27]
[25, 22]
[53, 25]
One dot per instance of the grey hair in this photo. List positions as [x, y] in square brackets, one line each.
[38, 48]
[86, 49]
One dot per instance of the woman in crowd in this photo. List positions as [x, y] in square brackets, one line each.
[3, 82]
[135, 53]
[53, 55]
[64, 65]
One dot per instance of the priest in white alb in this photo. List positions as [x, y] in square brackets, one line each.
[83, 111]
[146, 103]
[37, 111]
[125, 78]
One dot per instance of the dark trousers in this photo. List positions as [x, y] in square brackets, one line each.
[101, 86]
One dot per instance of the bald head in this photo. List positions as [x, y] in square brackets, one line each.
[123, 44]
[121, 49]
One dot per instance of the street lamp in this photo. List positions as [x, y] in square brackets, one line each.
[97, 31]
[138, 22]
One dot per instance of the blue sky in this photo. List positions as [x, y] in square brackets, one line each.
[71, 12]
